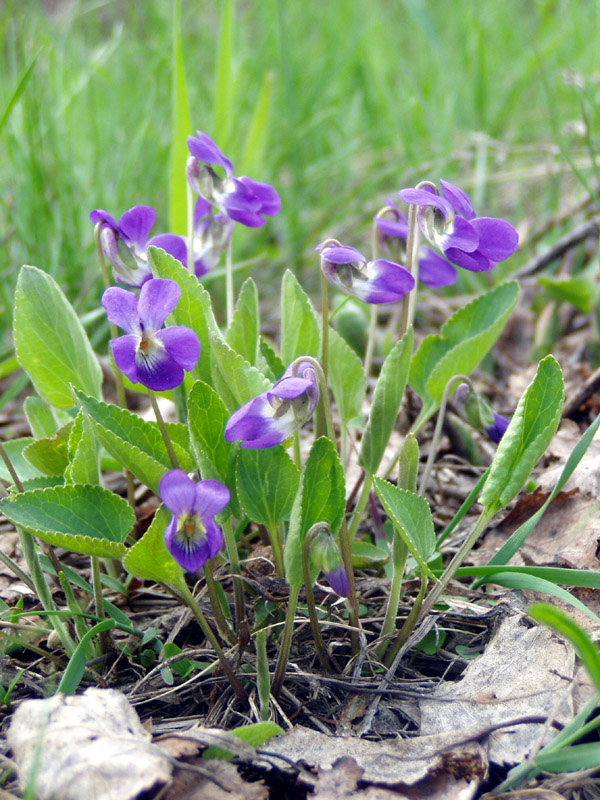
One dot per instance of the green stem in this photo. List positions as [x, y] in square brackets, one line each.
[114, 333]
[229, 281]
[277, 549]
[438, 429]
[213, 597]
[286, 642]
[104, 638]
[371, 340]
[352, 598]
[297, 452]
[400, 553]
[412, 264]
[234, 560]
[310, 597]
[73, 606]
[163, 430]
[460, 556]
[409, 624]
[361, 504]
[323, 391]
[325, 330]
[190, 228]
[263, 677]
[212, 639]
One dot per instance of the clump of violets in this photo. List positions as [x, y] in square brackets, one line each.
[434, 270]
[124, 242]
[149, 354]
[192, 536]
[273, 416]
[325, 555]
[211, 235]
[241, 199]
[377, 281]
[448, 221]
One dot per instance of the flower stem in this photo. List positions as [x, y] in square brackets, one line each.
[234, 560]
[352, 598]
[163, 430]
[361, 504]
[325, 326]
[438, 430]
[211, 590]
[229, 281]
[409, 624]
[323, 391]
[371, 340]
[276, 548]
[263, 677]
[412, 265]
[237, 687]
[104, 636]
[310, 597]
[286, 642]
[114, 333]
[399, 555]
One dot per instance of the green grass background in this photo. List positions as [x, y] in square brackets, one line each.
[338, 104]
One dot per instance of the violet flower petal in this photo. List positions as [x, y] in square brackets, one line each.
[182, 345]
[177, 491]
[458, 198]
[461, 234]
[124, 349]
[158, 298]
[135, 225]
[214, 536]
[121, 308]
[497, 238]
[435, 271]
[190, 553]
[475, 262]
[100, 215]
[157, 370]
[338, 580]
[172, 244]
[206, 151]
[342, 254]
[210, 498]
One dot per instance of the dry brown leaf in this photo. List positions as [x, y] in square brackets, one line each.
[91, 745]
[524, 671]
[189, 785]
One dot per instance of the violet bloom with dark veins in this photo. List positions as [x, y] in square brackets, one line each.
[146, 354]
[378, 281]
[192, 536]
[124, 242]
[275, 415]
[434, 270]
[242, 199]
[212, 233]
[449, 222]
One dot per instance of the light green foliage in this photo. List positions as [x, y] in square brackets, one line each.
[85, 519]
[411, 516]
[49, 455]
[149, 558]
[50, 342]
[267, 481]
[320, 498]
[532, 427]
[346, 377]
[180, 129]
[24, 469]
[242, 335]
[207, 417]
[83, 452]
[387, 397]
[269, 362]
[464, 340]
[39, 416]
[235, 379]
[579, 292]
[300, 330]
[194, 309]
[135, 443]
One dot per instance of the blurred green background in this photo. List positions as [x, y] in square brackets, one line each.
[336, 104]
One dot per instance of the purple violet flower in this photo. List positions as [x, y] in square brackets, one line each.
[449, 222]
[378, 281]
[338, 580]
[497, 430]
[146, 354]
[242, 199]
[124, 242]
[275, 415]
[192, 536]
[325, 555]
[434, 270]
[212, 233]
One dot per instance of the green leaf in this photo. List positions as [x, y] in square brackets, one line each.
[181, 127]
[134, 443]
[387, 397]
[149, 558]
[464, 340]
[224, 94]
[85, 519]
[267, 481]
[258, 130]
[24, 469]
[242, 335]
[569, 759]
[269, 362]
[194, 309]
[368, 556]
[206, 419]
[83, 452]
[320, 498]
[585, 647]
[50, 342]
[40, 417]
[257, 733]
[530, 430]
[411, 517]
[237, 381]
[300, 329]
[50, 455]
[76, 667]
[576, 291]
[346, 377]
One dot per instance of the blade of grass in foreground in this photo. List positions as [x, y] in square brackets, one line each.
[180, 129]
